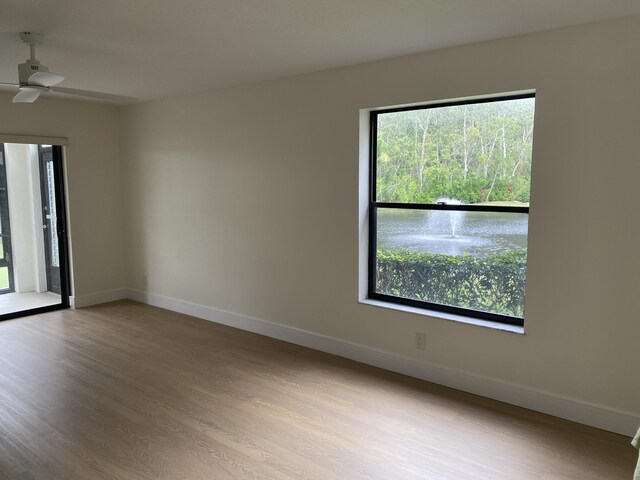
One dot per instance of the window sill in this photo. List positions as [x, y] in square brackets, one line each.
[445, 316]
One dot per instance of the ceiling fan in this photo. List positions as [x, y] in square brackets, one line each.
[34, 78]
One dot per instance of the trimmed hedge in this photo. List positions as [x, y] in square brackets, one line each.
[493, 283]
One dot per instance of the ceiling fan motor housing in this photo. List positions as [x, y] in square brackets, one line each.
[26, 70]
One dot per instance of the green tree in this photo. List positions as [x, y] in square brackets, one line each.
[473, 153]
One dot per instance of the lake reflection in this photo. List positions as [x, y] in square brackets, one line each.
[452, 233]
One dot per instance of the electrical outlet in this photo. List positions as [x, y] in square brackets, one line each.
[421, 341]
[145, 281]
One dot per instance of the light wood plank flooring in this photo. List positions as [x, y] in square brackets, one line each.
[126, 391]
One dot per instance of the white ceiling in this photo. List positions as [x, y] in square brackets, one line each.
[148, 49]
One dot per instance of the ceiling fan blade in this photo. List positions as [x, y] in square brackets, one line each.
[105, 97]
[5, 84]
[45, 79]
[26, 95]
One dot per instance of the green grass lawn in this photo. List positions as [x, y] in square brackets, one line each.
[4, 271]
[4, 278]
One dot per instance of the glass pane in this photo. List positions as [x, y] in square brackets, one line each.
[51, 205]
[474, 260]
[467, 153]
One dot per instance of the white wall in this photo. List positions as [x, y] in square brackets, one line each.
[93, 183]
[246, 200]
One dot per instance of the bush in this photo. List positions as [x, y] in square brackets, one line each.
[493, 283]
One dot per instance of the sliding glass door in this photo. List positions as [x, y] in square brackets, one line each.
[33, 257]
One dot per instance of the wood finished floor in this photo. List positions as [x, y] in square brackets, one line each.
[126, 391]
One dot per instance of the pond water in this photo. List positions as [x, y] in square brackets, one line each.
[451, 233]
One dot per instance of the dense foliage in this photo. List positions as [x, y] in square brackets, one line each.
[473, 153]
[493, 283]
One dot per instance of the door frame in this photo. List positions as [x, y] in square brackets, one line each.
[61, 221]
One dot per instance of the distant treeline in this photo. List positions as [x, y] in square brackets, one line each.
[473, 153]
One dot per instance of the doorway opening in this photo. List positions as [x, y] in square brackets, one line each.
[34, 272]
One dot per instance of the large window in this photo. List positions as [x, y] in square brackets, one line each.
[449, 206]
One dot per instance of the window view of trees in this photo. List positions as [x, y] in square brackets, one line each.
[473, 153]
[463, 155]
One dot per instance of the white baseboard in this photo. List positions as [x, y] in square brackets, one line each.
[98, 297]
[624, 423]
